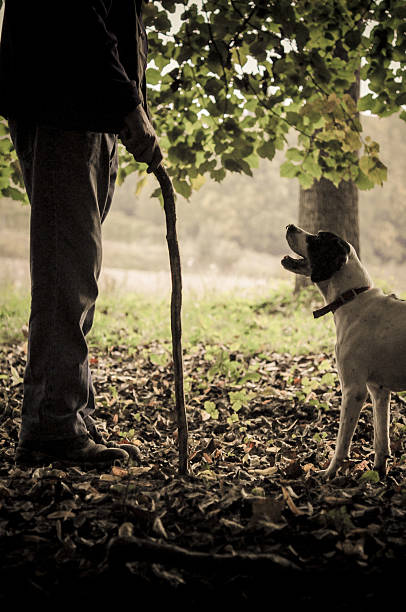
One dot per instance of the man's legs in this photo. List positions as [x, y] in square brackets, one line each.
[69, 178]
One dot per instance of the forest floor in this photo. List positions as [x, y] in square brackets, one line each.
[252, 523]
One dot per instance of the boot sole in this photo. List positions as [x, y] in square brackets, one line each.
[25, 458]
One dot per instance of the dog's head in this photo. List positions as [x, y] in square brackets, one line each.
[321, 254]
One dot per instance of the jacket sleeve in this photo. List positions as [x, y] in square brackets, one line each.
[96, 53]
[73, 64]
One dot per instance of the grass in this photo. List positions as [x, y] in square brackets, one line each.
[282, 322]
[14, 312]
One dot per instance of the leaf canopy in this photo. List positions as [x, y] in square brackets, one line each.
[228, 79]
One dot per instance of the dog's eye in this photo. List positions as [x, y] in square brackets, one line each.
[327, 236]
[313, 241]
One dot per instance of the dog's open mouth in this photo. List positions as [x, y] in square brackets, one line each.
[294, 263]
[299, 264]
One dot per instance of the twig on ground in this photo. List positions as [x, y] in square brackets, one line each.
[123, 549]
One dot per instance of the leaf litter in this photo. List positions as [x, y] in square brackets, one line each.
[252, 519]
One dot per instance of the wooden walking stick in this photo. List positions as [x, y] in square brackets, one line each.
[176, 306]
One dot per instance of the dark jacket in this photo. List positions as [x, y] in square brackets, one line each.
[76, 65]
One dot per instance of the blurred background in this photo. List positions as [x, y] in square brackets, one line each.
[232, 234]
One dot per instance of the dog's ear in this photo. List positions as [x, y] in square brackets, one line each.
[327, 254]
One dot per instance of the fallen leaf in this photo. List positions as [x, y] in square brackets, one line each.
[159, 528]
[207, 458]
[291, 504]
[118, 471]
[269, 471]
[126, 530]
[61, 514]
[137, 471]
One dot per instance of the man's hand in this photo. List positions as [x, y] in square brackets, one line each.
[139, 138]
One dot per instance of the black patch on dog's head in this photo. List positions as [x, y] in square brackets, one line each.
[327, 254]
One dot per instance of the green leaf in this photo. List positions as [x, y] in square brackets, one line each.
[379, 173]
[218, 175]
[289, 170]
[401, 99]
[14, 194]
[366, 164]
[182, 187]
[311, 166]
[169, 5]
[328, 379]
[236, 165]
[161, 61]
[210, 408]
[369, 476]
[363, 182]
[306, 181]
[366, 102]
[153, 76]
[162, 23]
[353, 38]
[302, 34]
[197, 182]
[294, 154]
[267, 149]
[250, 376]
[213, 86]
[158, 358]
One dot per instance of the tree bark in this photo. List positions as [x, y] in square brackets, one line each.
[330, 208]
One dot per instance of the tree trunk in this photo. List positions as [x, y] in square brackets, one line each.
[330, 208]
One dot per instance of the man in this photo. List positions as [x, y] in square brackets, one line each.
[72, 78]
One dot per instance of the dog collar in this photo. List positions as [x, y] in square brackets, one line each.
[342, 299]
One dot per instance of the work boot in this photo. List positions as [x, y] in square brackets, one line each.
[94, 433]
[132, 450]
[81, 451]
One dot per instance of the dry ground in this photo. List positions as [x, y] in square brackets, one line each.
[270, 532]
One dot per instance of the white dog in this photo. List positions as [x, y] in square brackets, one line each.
[371, 335]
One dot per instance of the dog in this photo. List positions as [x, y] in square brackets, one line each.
[370, 330]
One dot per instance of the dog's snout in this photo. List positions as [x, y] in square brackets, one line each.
[292, 228]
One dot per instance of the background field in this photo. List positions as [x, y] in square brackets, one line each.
[232, 233]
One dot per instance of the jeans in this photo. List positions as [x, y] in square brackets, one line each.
[69, 178]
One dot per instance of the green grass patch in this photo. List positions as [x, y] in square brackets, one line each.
[14, 313]
[282, 322]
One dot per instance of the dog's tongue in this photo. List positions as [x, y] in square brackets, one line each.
[289, 258]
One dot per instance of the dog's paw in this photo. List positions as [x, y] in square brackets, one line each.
[330, 472]
[381, 467]
[337, 467]
[325, 474]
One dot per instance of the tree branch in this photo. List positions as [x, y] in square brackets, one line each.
[125, 549]
[176, 306]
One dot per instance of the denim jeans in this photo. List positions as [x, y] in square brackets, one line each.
[69, 178]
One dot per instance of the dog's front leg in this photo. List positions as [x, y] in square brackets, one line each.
[352, 402]
[380, 402]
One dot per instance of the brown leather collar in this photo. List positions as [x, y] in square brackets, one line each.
[342, 299]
